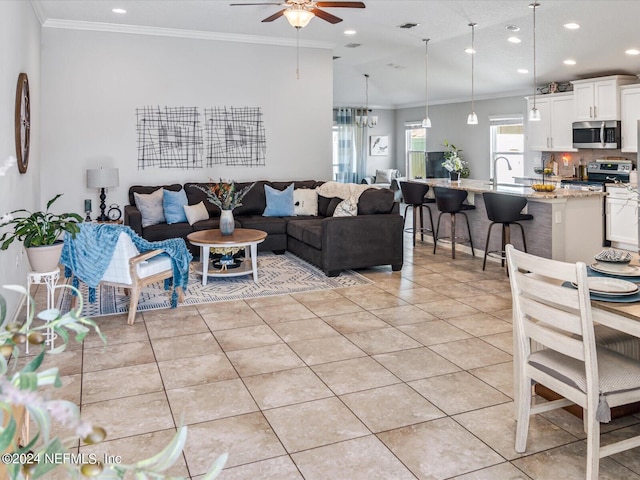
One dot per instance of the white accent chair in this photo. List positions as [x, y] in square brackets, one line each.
[133, 271]
[559, 318]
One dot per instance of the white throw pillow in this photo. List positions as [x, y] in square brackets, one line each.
[196, 213]
[305, 201]
[384, 176]
[150, 206]
[346, 208]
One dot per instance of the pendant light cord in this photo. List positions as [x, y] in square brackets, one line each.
[426, 78]
[298, 53]
[534, 5]
[473, 54]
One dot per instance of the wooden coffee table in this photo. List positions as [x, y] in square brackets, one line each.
[246, 238]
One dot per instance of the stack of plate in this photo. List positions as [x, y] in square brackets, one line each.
[611, 287]
[615, 262]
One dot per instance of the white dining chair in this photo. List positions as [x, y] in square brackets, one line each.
[559, 318]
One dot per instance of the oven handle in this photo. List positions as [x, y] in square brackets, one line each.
[602, 139]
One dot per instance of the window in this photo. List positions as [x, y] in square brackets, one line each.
[415, 146]
[507, 140]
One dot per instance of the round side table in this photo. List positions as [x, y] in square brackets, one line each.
[50, 279]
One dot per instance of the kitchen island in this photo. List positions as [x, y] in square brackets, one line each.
[567, 225]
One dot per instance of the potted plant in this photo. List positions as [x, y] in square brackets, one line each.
[453, 161]
[40, 233]
[226, 197]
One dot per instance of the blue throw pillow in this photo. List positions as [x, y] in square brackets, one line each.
[173, 205]
[279, 203]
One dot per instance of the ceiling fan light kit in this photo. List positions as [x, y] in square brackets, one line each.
[300, 12]
[298, 16]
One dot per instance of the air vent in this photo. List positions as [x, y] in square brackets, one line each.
[353, 45]
[407, 26]
[336, 58]
[396, 66]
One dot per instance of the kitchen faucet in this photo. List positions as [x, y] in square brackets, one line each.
[495, 171]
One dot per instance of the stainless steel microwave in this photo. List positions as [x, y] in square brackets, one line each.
[603, 134]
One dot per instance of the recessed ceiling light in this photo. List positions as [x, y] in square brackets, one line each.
[569, 61]
[523, 70]
[513, 28]
[469, 50]
[571, 26]
[349, 32]
[119, 10]
[632, 51]
[514, 40]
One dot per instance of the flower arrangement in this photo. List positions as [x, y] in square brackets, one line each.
[453, 161]
[225, 195]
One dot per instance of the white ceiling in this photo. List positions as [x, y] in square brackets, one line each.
[394, 57]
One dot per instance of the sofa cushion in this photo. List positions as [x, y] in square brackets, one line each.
[271, 225]
[254, 201]
[333, 204]
[375, 200]
[162, 231]
[323, 204]
[150, 206]
[195, 196]
[279, 203]
[146, 189]
[173, 204]
[306, 231]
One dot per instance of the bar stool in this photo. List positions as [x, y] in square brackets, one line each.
[413, 195]
[451, 201]
[504, 209]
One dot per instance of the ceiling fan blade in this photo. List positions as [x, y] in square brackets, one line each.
[325, 16]
[340, 4]
[275, 16]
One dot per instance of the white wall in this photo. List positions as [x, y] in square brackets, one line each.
[385, 126]
[94, 81]
[19, 52]
[450, 122]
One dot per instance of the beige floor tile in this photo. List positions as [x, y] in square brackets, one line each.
[471, 353]
[68, 362]
[321, 295]
[284, 313]
[359, 291]
[185, 372]
[488, 303]
[272, 358]
[506, 315]
[439, 449]
[185, 346]
[246, 438]
[458, 392]
[460, 290]
[628, 458]
[432, 280]
[496, 426]
[571, 461]
[120, 382]
[229, 315]
[494, 286]
[338, 306]
[394, 285]
[138, 447]
[434, 332]
[172, 327]
[119, 355]
[325, 350]
[211, 401]
[447, 308]
[246, 337]
[298, 330]
[379, 300]
[363, 458]
[170, 313]
[123, 417]
[355, 374]
[277, 389]
[480, 324]
[504, 471]
[499, 376]
[463, 275]
[360, 321]
[391, 407]
[117, 332]
[503, 341]
[405, 315]
[274, 301]
[313, 424]
[415, 364]
[279, 468]
[383, 340]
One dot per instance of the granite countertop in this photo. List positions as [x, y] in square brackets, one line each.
[481, 186]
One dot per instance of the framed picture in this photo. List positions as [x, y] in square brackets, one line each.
[379, 145]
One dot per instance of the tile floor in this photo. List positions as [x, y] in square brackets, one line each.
[407, 378]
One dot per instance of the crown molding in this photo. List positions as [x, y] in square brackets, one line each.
[174, 32]
[37, 9]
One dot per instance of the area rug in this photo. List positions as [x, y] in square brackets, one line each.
[277, 275]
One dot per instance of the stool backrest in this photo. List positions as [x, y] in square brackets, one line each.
[449, 200]
[503, 208]
[413, 193]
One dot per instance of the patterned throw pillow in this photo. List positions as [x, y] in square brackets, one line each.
[305, 201]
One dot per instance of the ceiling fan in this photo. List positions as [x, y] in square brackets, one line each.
[300, 12]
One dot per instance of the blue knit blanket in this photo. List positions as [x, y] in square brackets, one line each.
[88, 255]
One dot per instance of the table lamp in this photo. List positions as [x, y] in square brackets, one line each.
[102, 178]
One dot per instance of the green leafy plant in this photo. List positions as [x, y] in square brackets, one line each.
[453, 160]
[21, 389]
[225, 195]
[36, 229]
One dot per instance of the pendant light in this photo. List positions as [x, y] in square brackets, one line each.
[534, 113]
[426, 123]
[472, 119]
[363, 120]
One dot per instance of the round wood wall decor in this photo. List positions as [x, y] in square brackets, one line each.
[23, 122]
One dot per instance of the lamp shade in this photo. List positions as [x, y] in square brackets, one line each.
[298, 17]
[102, 178]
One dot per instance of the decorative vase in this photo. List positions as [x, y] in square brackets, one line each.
[227, 223]
[45, 258]
[455, 176]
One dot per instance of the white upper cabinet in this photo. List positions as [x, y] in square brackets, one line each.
[598, 98]
[553, 133]
[630, 110]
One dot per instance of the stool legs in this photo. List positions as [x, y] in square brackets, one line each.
[506, 239]
[453, 234]
[415, 221]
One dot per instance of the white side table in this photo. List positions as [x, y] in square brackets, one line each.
[50, 279]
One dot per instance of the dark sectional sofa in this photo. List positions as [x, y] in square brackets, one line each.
[372, 238]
